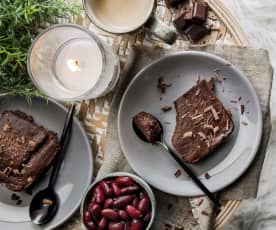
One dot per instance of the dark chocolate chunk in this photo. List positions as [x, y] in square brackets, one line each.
[163, 85]
[166, 108]
[200, 11]
[183, 21]
[177, 173]
[173, 3]
[202, 123]
[148, 125]
[195, 32]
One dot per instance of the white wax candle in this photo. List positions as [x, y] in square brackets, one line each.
[78, 65]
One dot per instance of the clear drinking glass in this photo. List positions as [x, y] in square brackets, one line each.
[70, 63]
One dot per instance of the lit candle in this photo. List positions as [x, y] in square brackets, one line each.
[68, 62]
[73, 65]
[78, 65]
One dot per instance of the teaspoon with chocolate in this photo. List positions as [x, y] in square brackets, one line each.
[150, 130]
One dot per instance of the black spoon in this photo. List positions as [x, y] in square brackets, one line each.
[45, 203]
[186, 168]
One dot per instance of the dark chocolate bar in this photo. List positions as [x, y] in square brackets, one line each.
[200, 11]
[183, 21]
[195, 32]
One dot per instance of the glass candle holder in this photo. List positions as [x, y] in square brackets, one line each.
[70, 63]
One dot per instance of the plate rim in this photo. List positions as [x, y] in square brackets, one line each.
[91, 160]
[219, 59]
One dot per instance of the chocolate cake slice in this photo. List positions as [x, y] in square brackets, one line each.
[148, 125]
[202, 122]
[26, 150]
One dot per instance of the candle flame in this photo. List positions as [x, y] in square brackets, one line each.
[73, 65]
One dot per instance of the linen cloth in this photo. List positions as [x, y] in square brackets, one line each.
[258, 19]
[246, 60]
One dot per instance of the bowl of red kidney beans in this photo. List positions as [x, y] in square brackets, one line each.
[118, 201]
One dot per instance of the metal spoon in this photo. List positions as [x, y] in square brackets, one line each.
[185, 167]
[45, 203]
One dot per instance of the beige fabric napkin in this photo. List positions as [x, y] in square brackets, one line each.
[176, 211]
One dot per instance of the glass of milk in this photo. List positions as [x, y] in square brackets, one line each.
[70, 63]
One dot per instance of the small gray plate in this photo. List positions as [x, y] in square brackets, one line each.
[182, 69]
[75, 174]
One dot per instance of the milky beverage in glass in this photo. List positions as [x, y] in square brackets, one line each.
[68, 63]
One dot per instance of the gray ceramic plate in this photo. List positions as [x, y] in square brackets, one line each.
[225, 164]
[75, 174]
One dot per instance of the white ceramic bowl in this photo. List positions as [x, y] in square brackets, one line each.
[136, 179]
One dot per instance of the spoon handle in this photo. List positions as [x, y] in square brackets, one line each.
[191, 174]
[66, 133]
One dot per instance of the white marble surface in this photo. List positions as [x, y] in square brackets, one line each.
[258, 19]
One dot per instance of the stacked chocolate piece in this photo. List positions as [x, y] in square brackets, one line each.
[191, 21]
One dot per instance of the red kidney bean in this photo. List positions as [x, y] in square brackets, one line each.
[95, 211]
[90, 225]
[102, 224]
[147, 217]
[123, 181]
[135, 202]
[110, 214]
[122, 201]
[143, 205]
[123, 214]
[100, 198]
[130, 190]
[106, 189]
[116, 189]
[133, 212]
[108, 203]
[86, 217]
[115, 226]
[136, 225]
[127, 226]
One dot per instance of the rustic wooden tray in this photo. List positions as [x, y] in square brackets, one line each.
[94, 113]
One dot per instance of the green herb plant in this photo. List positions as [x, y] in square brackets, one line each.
[20, 22]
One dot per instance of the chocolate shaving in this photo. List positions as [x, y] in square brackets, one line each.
[244, 123]
[234, 101]
[240, 98]
[205, 212]
[18, 202]
[208, 109]
[177, 173]
[162, 85]
[207, 176]
[242, 109]
[206, 126]
[197, 116]
[199, 201]
[14, 196]
[201, 134]
[188, 134]
[215, 114]
[216, 129]
[166, 108]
